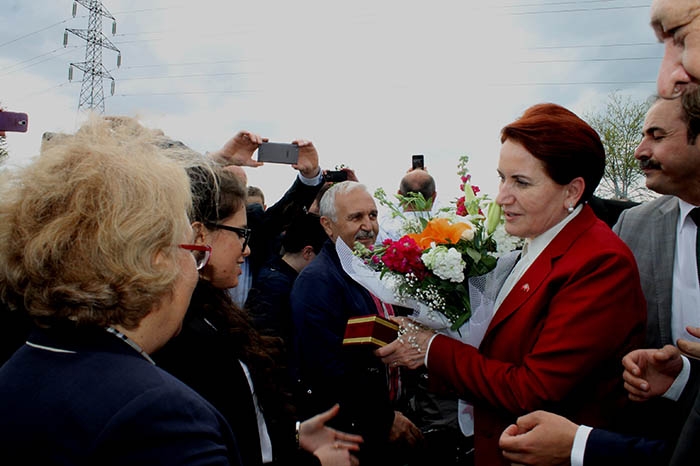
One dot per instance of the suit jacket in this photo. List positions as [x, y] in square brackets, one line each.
[267, 225]
[84, 397]
[650, 232]
[609, 210]
[556, 341]
[206, 356]
[268, 301]
[687, 449]
[323, 298]
[605, 448]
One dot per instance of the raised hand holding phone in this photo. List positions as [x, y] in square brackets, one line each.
[239, 150]
[307, 164]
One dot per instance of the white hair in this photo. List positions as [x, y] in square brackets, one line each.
[327, 207]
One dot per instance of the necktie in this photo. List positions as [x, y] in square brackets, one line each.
[695, 215]
[386, 310]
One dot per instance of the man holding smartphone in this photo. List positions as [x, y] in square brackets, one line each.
[268, 224]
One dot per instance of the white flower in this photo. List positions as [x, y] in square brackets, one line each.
[467, 234]
[505, 242]
[446, 263]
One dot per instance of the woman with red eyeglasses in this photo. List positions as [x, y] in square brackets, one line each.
[221, 355]
[95, 245]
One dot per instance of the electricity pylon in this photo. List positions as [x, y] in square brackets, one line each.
[91, 92]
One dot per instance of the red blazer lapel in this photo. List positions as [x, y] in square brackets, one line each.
[536, 275]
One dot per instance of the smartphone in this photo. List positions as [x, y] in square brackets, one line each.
[418, 162]
[335, 175]
[13, 121]
[276, 152]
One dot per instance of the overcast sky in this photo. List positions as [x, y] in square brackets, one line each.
[369, 82]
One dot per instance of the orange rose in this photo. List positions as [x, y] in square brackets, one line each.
[439, 231]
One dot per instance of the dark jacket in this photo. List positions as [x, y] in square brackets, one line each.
[267, 225]
[206, 356]
[84, 397]
[323, 298]
[268, 301]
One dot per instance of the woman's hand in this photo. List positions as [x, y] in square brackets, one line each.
[409, 348]
[314, 434]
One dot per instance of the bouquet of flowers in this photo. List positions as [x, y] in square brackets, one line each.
[440, 250]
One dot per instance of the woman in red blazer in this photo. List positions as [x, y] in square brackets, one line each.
[570, 309]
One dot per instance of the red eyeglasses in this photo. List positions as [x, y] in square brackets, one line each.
[201, 253]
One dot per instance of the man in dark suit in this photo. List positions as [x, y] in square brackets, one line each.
[609, 210]
[662, 236]
[323, 298]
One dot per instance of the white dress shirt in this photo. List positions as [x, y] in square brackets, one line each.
[685, 302]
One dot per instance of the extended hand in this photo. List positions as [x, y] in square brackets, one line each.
[539, 438]
[650, 372]
[330, 455]
[691, 348]
[314, 434]
[403, 430]
[409, 348]
[308, 158]
[239, 150]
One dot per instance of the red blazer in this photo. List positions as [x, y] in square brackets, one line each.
[556, 342]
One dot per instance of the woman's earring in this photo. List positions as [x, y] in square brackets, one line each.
[571, 208]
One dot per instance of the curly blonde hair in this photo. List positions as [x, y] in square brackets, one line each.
[87, 229]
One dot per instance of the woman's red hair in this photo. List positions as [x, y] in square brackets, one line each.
[567, 146]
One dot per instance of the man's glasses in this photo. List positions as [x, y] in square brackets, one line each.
[243, 233]
[201, 253]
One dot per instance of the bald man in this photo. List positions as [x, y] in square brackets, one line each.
[417, 180]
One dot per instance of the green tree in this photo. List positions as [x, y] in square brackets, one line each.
[620, 128]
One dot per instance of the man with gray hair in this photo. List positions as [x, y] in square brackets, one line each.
[323, 298]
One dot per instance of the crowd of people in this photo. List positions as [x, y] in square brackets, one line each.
[155, 310]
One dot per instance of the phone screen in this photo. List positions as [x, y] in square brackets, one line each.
[276, 152]
[418, 162]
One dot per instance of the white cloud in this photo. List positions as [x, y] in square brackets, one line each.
[370, 83]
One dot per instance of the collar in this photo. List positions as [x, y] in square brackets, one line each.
[685, 208]
[69, 338]
[538, 244]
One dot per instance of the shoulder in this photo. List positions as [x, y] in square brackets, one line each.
[642, 211]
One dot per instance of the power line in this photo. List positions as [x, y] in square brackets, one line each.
[35, 32]
[28, 96]
[579, 2]
[72, 47]
[576, 10]
[150, 94]
[579, 60]
[546, 47]
[202, 75]
[217, 62]
[573, 83]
